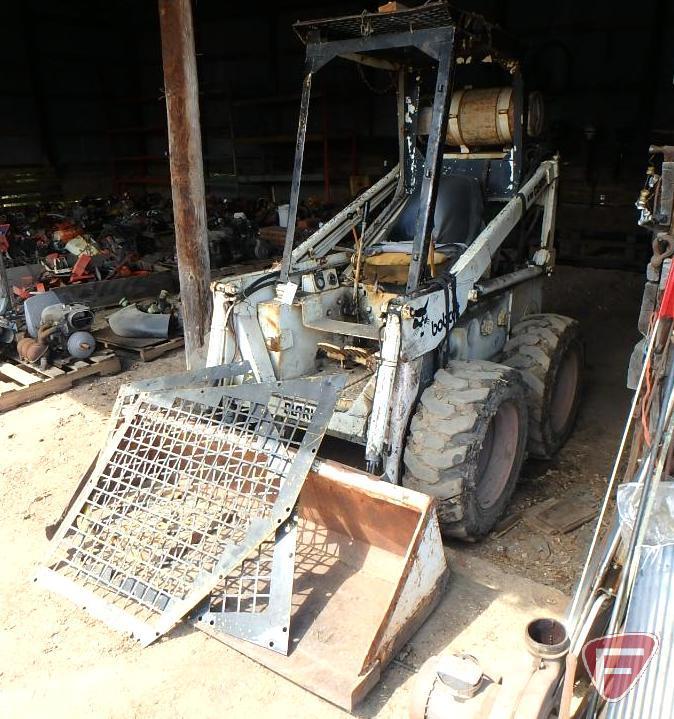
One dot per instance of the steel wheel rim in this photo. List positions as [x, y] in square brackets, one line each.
[497, 457]
[564, 392]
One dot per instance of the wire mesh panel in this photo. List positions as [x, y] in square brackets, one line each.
[196, 379]
[129, 393]
[254, 601]
[430, 15]
[189, 485]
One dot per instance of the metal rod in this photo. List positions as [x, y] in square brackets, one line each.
[187, 173]
[582, 588]
[326, 149]
[297, 177]
[652, 476]
[327, 237]
[598, 570]
[489, 287]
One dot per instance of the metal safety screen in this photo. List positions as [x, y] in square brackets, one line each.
[228, 374]
[190, 485]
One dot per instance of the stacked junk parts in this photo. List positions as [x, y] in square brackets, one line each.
[424, 343]
[59, 261]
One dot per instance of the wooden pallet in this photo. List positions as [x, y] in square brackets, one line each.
[147, 348]
[21, 383]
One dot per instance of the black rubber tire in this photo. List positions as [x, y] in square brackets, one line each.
[469, 409]
[548, 351]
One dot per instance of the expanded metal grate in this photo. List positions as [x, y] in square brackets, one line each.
[255, 601]
[190, 484]
[430, 15]
[195, 379]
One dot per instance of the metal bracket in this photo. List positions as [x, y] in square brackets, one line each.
[254, 602]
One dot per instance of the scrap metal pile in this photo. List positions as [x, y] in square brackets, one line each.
[93, 239]
[55, 246]
[108, 237]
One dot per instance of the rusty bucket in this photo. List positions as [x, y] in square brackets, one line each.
[370, 568]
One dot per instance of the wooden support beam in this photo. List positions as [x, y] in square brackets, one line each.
[187, 173]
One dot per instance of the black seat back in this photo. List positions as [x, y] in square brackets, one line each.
[459, 213]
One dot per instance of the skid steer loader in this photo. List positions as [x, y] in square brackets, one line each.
[422, 341]
[432, 313]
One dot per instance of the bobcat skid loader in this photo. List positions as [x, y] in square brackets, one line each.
[410, 324]
[424, 293]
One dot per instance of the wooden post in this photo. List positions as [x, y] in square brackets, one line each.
[187, 174]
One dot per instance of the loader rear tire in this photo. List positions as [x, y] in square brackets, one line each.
[467, 443]
[548, 352]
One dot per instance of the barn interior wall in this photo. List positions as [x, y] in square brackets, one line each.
[82, 95]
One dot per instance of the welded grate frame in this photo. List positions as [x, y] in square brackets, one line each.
[142, 564]
[128, 394]
[430, 15]
[219, 375]
[255, 601]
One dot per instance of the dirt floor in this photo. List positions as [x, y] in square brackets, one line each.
[57, 660]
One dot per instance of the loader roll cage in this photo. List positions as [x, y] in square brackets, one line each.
[401, 42]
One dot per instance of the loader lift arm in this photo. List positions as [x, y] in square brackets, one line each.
[402, 336]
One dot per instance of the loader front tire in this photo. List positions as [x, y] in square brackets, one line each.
[548, 352]
[466, 444]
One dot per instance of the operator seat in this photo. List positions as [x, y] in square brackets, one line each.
[458, 219]
[459, 210]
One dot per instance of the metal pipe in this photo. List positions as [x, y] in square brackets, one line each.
[574, 652]
[326, 149]
[652, 476]
[582, 590]
[489, 287]
[297, 175]
[187, 174]
[600, 565]
[326, 237]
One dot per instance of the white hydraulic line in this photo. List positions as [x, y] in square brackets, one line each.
[344, 220]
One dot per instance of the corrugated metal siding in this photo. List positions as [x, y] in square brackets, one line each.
[651, 610]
